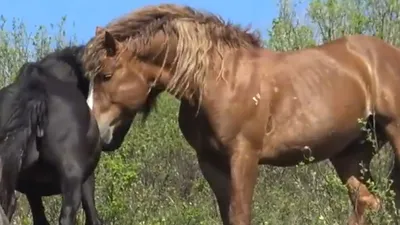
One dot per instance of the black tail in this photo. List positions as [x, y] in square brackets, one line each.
[25, 123]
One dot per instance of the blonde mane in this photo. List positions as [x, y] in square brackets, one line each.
[198, 34]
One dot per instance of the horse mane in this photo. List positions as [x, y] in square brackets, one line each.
[66, 63]
[71, 55]
[198, 33]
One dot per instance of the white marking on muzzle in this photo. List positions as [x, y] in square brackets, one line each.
[106, 133]
[89, 100]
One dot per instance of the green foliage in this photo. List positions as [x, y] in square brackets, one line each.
[287, 32]
[154, 178]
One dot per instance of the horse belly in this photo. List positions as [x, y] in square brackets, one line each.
[308, 146]
[317, 137]
[39, 178]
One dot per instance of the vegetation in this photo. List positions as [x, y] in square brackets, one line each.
[154, 178]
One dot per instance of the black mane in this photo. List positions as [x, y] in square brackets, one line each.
[66, 65]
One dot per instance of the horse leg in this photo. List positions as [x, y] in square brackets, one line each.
[232, 182]
[244, 172]
[395, 177]
[215, 170]
[71, 188]
[3, 217]
[232, 178]
[13, 205]
[347, 166]
[393, 132]
[88, 202]
[37, 209]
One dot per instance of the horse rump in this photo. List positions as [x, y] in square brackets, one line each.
[24, 123]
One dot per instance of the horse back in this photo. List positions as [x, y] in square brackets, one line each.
[320, 93]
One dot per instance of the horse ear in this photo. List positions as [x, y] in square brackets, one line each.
[110, 44]
[99, 30]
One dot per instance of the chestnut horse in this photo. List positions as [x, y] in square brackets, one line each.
[243, 105]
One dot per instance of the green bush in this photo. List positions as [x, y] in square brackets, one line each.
[154, 178]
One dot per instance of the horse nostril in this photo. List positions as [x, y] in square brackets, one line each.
[106, 136]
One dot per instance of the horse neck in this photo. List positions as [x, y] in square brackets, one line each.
[67, 67]
[159, 50]
[188, 73]
[182, 75]
[159, 57]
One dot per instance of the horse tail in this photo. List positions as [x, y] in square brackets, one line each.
[25, 123]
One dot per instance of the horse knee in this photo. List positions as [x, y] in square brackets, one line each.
[72, 173]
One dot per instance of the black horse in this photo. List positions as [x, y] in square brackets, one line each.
[3, 217]
[49, 141]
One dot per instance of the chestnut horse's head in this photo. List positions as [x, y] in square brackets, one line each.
[156, 48]
[119, 89]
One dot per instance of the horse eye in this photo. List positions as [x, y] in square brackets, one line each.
[107, 76]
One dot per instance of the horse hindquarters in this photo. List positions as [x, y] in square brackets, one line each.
[393, 132]
[23, 126]
[388, 117]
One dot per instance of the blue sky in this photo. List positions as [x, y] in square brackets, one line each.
[84, 15]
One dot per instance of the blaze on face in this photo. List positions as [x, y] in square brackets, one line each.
[117, 92]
